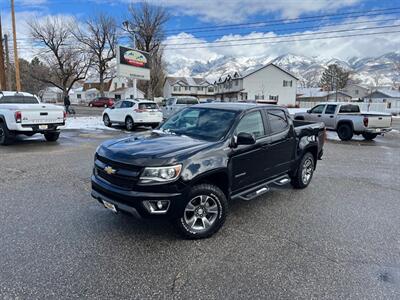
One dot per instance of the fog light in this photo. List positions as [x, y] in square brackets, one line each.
[157, 206]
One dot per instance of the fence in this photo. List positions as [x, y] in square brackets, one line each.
[376, 107]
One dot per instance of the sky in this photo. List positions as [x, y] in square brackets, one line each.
[201, 30]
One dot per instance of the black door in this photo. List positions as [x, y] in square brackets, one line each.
[246, 160]
[280, 150]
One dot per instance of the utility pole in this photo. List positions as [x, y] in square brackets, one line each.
[2, 69]
[16, 61]
[8, 65]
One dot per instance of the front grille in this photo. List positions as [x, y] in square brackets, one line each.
[125, 176]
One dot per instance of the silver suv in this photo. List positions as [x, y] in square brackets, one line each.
[173, 105]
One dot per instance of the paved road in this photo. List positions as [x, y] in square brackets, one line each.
[337, 239]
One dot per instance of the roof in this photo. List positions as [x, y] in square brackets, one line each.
[388, 92]
[13, 93]
[190, 81]
[316, 93]
[233, 105]
[271, 64]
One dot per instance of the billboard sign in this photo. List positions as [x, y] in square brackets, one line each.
[133, 63]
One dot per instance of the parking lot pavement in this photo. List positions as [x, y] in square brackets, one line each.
[339, 238]
[86, 111]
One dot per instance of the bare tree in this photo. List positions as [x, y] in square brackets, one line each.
[100, 38]
[147, 22]
[68, 63]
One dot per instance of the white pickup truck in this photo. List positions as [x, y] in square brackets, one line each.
[347, 119]
[22, 113]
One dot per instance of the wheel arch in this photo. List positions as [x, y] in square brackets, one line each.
[217, 177]
[345, 122]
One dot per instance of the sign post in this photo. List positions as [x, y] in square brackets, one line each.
[134, 64]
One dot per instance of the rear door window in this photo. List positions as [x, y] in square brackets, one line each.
[330, 109]
[278, 121]
[251, 123]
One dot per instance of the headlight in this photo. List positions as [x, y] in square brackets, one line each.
[160, 174]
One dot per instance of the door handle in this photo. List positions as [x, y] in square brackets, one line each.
[319, 116]
[331, 117]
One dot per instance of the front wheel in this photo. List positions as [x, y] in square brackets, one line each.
[369, 136]
[6, 137]
[106, 121]
[204, 212]
[52, 136]
[305, 172]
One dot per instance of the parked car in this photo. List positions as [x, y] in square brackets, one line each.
[203, 157]
[102, 102]
[174, 105]
[347, 119]
[133, 113]
[23, 114]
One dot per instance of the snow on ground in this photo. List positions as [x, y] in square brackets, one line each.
[293, 111]
[85, 123]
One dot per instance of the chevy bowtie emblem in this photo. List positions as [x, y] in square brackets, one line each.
[109, 170]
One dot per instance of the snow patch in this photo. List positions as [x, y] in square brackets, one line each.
[86, 123]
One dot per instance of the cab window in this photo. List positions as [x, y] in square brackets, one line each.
[277, 120]
[317, 109]
[251, 123]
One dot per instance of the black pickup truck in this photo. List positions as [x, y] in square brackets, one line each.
[201, 158]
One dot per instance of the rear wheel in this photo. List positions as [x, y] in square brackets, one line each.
[106, 121]
[6, 137]
[369, 136]
[204, 213]
[51, 136]
[345, 132]
[305, 172]
[129, 124]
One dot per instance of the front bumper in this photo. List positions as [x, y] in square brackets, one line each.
[132, 202]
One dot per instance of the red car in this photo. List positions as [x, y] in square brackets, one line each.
[102, 102]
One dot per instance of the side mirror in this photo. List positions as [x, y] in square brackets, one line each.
[308, 111]
[244, 138]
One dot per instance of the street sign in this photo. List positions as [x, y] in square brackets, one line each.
[133, 63]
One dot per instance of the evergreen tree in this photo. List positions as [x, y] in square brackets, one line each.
[334, 78]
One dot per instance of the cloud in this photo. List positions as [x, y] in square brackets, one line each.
[342, 48]
[232, 11]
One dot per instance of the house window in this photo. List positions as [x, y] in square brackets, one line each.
[287, 83]
[275, 98]
[176, 88]
[259, 97]
[115, 85]
[187, 88]
[356, 92]
[131, 96]
[79, 96]
[211, 89]
[236, 82]
[123, 85]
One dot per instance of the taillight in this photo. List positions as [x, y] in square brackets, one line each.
[365, 120]
[18, 116]
[65, 115]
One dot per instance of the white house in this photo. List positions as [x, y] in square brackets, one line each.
[318, 95]
[388, 96]
[188, 86]
[268, 84]
[356, 91]
[125, 93]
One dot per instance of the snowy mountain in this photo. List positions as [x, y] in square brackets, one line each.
[369, 71]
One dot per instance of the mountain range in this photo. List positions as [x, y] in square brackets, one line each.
[383, 70]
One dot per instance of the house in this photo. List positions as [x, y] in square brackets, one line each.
[389, 96]
[188, 86]
[51, 94]
[319, 95]
[125, 93]
[356, 91]
[268, 84]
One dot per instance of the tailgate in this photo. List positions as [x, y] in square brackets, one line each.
[42, 115]
[379, 121]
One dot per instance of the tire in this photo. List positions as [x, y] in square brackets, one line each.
[205, 201]
[129, 124]
[6, 137]
[345, 132]
[369, 136]
[106, 121]
[51, 136]
[305, 171]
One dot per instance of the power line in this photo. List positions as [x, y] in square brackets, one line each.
[218, 27]
[284, 41]
[282, 36]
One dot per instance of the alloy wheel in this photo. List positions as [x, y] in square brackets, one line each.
[307, 171]
[201, 212]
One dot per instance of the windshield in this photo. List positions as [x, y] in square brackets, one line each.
[18, 99]
[202, 123]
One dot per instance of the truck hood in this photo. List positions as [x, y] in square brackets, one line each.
[155, 149]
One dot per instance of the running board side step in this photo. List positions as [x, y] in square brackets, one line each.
[261, 189]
